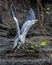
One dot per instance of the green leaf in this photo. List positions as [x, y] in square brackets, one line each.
[47, 9]
[47, 12]
[27, 50]
[43, 43]
[32, 47]
[31, 50]
[51, 55]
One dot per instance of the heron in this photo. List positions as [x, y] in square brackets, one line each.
[22, 29]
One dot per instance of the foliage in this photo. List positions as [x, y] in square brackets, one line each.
[51, 55]
[43, 43]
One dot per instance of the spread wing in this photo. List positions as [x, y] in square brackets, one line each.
[30, 16]
[16, 21]
[26, 28]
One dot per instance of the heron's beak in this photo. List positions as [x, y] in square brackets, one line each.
[35, 20]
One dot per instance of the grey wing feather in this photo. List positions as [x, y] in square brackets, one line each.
[30, 16]
[27, 27]
[16, 20]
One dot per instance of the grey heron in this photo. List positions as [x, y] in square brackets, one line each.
[25, 26]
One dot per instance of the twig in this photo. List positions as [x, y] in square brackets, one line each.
[41, 24]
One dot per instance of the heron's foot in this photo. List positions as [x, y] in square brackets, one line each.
[13, 49]
[19, 47]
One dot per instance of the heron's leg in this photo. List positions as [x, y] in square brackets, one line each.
[14, 47]
[20, 46]
[17, 47]
[15, 44]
